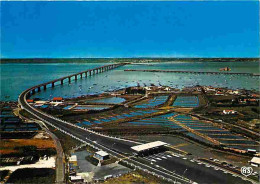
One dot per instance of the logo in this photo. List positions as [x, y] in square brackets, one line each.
[246, 171]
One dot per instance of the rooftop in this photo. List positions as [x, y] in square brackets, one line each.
[255, 160]
[73, 158]
[102, 153]
[72, 178]
[147, 146]
[57, 98]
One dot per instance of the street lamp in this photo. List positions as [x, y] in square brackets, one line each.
[113, 145]
[89, 135]
[184, 172]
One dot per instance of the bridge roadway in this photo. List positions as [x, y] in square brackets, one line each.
[170, 169]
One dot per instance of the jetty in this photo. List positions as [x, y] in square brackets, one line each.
[194, 72]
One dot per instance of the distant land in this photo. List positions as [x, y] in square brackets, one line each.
[115, 60]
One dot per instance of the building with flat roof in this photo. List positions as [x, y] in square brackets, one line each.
[149, 148]
[76, 179]
[101, 155]
[73, 160]
[30, 100]
[255, 161]
[57, 99]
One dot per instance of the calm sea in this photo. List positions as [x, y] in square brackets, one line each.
[17, 77]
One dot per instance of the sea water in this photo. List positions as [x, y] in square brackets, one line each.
[16, 77]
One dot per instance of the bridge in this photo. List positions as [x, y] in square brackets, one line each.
[170, 170]
[69, 78]
[194, 72]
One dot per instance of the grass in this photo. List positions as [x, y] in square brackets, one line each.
[136, 177]
[33, 175]
[66, 141]
[13, 146]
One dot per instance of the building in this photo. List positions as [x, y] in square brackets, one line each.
[57, 99]
[255, 161]
[30, 100]
[251, 151]
[76, 179]
[219, 93]
[101, 155]
[73, 160]
[149, 148]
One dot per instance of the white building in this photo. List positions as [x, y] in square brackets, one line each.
[76, 179]
[255, 161]
[73, 160]
[101, 155]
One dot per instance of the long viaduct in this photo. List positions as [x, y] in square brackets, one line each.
[82, 74]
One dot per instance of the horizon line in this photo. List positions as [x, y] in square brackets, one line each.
[143, 57]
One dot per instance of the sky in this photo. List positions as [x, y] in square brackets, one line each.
[129, 29]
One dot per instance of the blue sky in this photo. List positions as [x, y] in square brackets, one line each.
[129, 29]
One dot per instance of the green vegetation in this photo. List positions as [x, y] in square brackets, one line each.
[66, 141]
[95, 161]
[92, 160]
[3, 174]
[136, 177]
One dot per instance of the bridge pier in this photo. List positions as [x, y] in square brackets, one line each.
[89, 72]
[81, 75]
[39, 89]
[52, 84]
[76, 77]
[61, 82]
[33, 91]
[69, 80]
[44, 87]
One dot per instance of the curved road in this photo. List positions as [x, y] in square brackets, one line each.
[167, 167]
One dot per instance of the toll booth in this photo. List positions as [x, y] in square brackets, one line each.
[149, 148]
